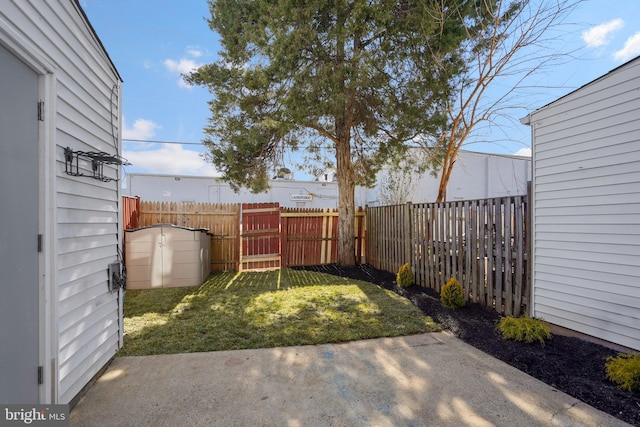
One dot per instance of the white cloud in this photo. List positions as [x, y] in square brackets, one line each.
[195, 52]
[182, 66]
[171, 159]
[630, 49]
[141, 129]
[600, 34]
[523, 152]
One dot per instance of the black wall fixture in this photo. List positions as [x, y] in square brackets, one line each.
[97, 160]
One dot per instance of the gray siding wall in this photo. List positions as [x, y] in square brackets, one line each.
[86, 118]
[586, 165]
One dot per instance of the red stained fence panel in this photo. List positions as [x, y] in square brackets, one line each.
[310, 236]
[260, 236]
[130, 212]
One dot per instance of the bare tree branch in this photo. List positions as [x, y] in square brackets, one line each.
[507, 44]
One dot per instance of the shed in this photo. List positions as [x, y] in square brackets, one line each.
[586, 208]
[167, 256]
[60, 121]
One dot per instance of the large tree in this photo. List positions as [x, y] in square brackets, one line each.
[326, 76]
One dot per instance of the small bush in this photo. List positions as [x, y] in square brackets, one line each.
[405, 278]
[624, 370]
[451, 294]
[524, 329]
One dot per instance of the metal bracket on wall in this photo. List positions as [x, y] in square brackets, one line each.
[97, 160]
[117, 276]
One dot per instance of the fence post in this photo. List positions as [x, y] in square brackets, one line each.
[408, 236]
[518, 249]
[284, 256]
[360, 219]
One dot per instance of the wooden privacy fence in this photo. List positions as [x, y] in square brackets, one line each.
[309, 236]
[483, 243]
[221, 219]
[130, 212]
[260, 236]
[253, 236]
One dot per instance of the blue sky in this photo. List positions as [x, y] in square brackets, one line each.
[152, 42]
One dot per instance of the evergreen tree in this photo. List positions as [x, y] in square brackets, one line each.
[328, 76]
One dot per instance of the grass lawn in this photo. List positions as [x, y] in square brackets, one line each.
[264, 309]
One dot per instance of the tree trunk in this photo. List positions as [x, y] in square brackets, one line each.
[346, 176]
[442, 189]
[447, 167]
[346, 202]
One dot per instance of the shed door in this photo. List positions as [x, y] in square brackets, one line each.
[18, 231]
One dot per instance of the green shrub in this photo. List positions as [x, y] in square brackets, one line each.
[405, 278]
[524, 329]
[451, 294]
[624, 370]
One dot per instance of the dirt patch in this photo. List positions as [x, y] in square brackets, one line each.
[569, 364]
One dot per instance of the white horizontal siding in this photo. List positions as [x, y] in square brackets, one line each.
[71, 328]
[80, 286]
[83, 230]
[579, 202]
[604, 94]
[577, 119]
[609, 312]
[627, 252]
[559, 234]
[586, 168]
[571, 318]
[625, 189]
[71, 259]
[588, 148]
[97, 190]
[86, 203]
[572, 266]
[92, 358]
[76, 216]
[86, 230]
[591, 178]
[592, 165]
[80, 271]
[591, 286]
[85, 243]
[613, 210]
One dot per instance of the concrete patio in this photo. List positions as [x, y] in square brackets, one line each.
[431, 379]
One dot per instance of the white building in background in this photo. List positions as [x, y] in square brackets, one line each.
[329, 175]
[179, 188]
[474, 176]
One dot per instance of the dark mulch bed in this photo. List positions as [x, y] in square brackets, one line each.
[569, 364]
